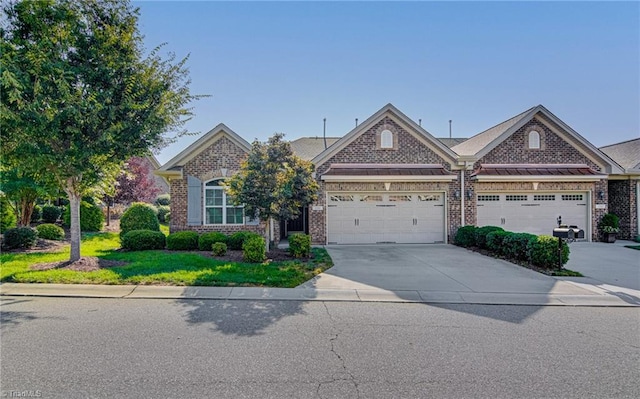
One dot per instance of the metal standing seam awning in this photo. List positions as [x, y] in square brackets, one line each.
[536, 172]
[387, 172]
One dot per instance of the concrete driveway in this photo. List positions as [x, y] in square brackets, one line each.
[434, 267]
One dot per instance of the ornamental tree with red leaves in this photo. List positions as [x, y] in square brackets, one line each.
[136, 182]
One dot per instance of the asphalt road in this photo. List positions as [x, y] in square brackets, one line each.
[114, 348]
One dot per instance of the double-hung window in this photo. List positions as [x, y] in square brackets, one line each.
[218, 206]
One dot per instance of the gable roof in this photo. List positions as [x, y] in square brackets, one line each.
[453, 141]
[221, 130]
[308, 148]
[626, 154]
[398, 117]
[482, 143]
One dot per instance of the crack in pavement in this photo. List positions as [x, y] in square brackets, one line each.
[350, 377]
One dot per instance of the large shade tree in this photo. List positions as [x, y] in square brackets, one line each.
[79, 95]
[273, 183]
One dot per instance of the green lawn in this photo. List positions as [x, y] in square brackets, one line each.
[159, 267]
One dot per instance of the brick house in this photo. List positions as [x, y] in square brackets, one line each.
[391, 181]
[624, 188]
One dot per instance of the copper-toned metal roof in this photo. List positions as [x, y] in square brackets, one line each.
[535, 170]
[356, 169]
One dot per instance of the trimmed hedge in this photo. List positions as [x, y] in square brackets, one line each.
[495, 241]
[219, 249]
[182, 241]
[20, 237]
[300, 245]
[50, 213]
[91, 216]
[141, 240]
[253, 249]
[50, 231]
[236, 240]
[481, 235]
[544, 252]
[516, 246]
[466, 236]
[206, 240]
[139, 216]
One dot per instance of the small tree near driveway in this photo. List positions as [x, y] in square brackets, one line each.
[273, 183]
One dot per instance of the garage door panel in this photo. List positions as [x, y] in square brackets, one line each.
[532, 213]
[385, 217]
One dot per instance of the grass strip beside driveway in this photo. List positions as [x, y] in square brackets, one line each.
[160, 267]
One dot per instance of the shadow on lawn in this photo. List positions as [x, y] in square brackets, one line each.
[239, 317]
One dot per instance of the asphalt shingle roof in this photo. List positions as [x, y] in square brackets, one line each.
[626, 153]
[308, 148]
[476, 143]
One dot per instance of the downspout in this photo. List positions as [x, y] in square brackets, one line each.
[462, 195]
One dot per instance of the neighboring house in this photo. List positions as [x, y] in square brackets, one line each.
[624, 188]
[161, 183]
[391, 181]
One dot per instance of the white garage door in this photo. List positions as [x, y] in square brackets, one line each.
[410, 218]
[532, 213]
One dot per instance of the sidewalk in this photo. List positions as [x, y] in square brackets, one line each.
[593, 294]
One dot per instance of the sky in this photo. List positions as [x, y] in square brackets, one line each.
[284, 66]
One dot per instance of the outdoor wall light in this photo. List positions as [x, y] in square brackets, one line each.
[600, 195]
[469, 194]
[456, 194]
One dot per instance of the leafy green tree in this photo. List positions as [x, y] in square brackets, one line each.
[22, 190]
[79, 96]
[273, 183]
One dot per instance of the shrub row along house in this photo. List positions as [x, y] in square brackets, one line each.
[390, 181]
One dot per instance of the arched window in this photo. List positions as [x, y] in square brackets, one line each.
[218, 206]
[386, 139]
[534, 139]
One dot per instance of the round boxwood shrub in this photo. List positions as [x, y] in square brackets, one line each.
[516, 245]
[481, 235]
[236, 239]
[7, 216]
[182, 241]
[495, 241]
[91, 216]
[466, 236]
[50, 213]
[142, 240]
[50, 231]
[139, 216]
[544, 252]
[253, 249]
[163, 211]
[163, 199]
[20, 237]
[36, 215]
[300, 245]
[206, 240]
[219, 249]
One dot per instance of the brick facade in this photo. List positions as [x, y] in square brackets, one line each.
[408, 149]
[554, 149]
[223, 154]
[623, 203]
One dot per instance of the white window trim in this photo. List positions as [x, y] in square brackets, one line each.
[386, 144]
[224, 206]
[537, 142]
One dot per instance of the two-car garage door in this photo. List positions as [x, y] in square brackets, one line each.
[369, 218]
[532, 213]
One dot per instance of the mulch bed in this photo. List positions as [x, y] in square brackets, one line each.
[84, 264]
[41, 246]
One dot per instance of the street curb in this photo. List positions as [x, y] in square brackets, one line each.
[305, 294]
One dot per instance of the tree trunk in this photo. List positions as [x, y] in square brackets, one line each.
[108, 211]
[74, 208]
[26, 204]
